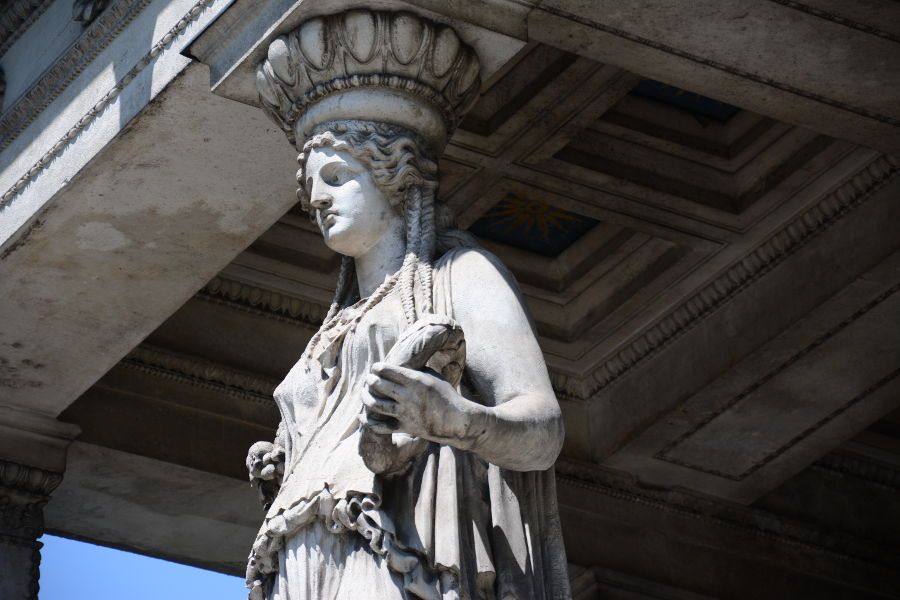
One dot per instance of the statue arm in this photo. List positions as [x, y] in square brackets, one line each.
[521, 427]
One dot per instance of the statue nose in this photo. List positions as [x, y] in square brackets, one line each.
[320, 201]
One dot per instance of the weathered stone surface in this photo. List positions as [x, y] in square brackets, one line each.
[111, 242]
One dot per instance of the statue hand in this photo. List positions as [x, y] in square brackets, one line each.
[265, 461]
[265, 465]
[421, 404]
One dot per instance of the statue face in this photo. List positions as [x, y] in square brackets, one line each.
[352, 212]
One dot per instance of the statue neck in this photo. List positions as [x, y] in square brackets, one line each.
[381, 261]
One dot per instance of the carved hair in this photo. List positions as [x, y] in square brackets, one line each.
[408, 177]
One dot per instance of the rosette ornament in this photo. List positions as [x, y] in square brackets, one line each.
[395, 68]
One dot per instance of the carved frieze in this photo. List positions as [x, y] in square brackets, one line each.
[198, 372]
[263, 302]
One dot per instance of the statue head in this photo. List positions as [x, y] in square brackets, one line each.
[370, 99]
[355, 181]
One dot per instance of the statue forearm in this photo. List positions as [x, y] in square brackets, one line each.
[522, 434]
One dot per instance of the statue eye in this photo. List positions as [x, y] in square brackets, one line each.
[338, 176]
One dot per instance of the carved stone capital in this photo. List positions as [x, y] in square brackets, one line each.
[32, 461]
[24, 491]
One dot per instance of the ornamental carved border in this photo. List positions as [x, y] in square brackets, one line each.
[880, 475]
[67, 67]
[73, 132]
[200, 373]
[263, 302]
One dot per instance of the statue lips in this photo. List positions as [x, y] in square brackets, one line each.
[327, 218]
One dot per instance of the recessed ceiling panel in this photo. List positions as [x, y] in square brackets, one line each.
[532, 225]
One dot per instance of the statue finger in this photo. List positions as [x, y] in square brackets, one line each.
[400, 375]
[384, 426]
[380, 406]
[387, 388]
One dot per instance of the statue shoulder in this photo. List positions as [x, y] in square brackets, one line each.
[477, 285]
[474, 270]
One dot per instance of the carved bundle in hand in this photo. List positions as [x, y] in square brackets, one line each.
[265, 465]
[434, 342]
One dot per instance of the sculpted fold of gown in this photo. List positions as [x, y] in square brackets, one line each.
[450, 526]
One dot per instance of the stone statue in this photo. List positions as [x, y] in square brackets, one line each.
[419, 427]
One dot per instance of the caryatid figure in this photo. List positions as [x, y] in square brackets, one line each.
[419, 427]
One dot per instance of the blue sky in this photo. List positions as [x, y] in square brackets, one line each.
[73, 570]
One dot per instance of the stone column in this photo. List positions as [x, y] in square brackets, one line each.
[32, 462]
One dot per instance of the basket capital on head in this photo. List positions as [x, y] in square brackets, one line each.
[390, 67]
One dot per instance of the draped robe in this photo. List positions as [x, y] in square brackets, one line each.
[450, 526]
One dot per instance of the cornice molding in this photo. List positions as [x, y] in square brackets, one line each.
[201, 373]
[741, 275]
[98, 107]
[264, 303]
[96, 37]
[568, 387]
[747, 520]
[16, 18]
